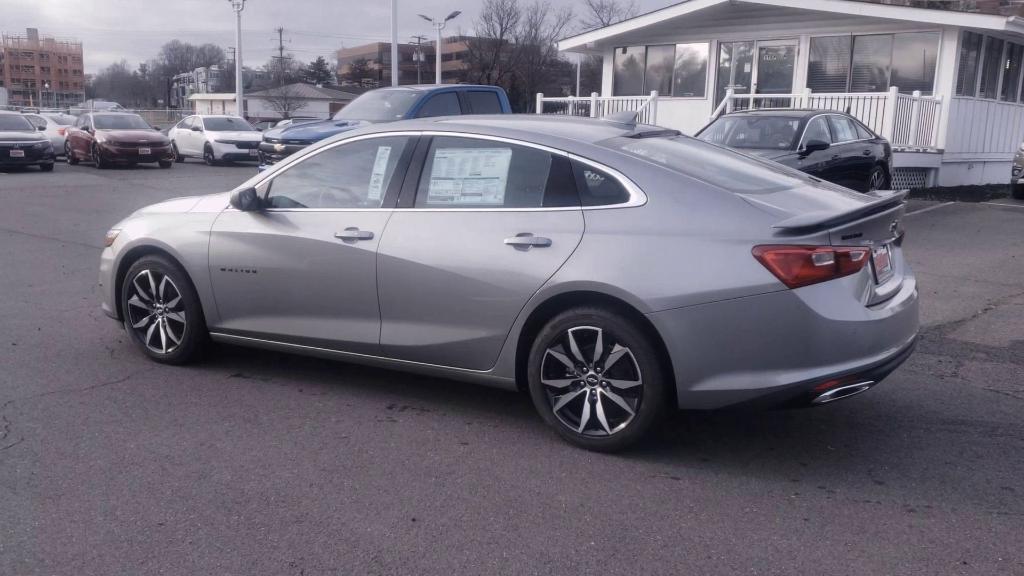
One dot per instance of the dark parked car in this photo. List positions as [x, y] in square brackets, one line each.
[106, 138]
[829, 145]
[386, 105]
[21, 144]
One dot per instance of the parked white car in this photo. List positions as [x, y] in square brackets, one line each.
[214, 139]
[54, 124]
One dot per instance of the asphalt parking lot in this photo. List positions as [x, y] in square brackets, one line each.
[259, 463]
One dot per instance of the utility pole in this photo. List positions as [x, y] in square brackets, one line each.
[280, 58]
[419, 57]
[280, 42]
[238, 6]
[394, 42]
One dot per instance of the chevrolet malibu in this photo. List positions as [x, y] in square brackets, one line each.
[614, 271]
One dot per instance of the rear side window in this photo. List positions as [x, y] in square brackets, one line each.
[862, 132]
[444, 104]
[842, 129]
[473, 173]
[597, 187]
[484, 102]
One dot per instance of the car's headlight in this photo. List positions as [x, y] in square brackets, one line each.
[111, 236]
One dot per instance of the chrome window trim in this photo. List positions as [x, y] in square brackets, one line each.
[803, 134]
[637, 197]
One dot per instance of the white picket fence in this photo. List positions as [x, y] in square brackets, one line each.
[908, 121]
[595, 106]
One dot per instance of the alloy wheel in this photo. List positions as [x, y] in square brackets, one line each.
[877, 180]
[156, 312]
[593, 383]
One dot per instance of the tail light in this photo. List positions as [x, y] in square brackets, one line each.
[62, 131]
[798, 266]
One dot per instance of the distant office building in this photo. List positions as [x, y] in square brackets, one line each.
[202, 80]
[44, 72]
[412, 69]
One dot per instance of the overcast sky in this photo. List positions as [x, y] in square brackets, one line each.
[135, 29]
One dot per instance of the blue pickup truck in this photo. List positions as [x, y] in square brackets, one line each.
[386, 105]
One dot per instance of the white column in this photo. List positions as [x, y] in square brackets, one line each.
[394, 42]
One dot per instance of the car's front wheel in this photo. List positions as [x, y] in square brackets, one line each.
[70, 154]
[208, 156]
[595, 376]
[177, 155]
[162, 312]
[97, 158]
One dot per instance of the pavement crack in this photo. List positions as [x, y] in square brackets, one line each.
[52, 238]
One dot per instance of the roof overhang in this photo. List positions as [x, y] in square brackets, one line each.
[1009, 24]
[212, 96]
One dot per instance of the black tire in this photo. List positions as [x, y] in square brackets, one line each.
[1017, 191]
[46, 167]
[877, 179]
[72, 159]
[640, 385]
[174, 314]
[97, 159]
[208, 156]
[165, 164]
[177, 155]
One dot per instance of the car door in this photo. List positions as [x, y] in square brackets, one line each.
[480, 230]
[178, 134]
[304, 268]
[82, 142]
[194, 137]
[846, 153]
[817, 163]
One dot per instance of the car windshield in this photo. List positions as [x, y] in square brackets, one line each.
[14, 122]
[227, 124]
[120, 122]
[772, 132]
[62, 119]
[379, 106]
[716, 165]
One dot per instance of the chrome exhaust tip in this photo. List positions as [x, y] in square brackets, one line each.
[840, 392]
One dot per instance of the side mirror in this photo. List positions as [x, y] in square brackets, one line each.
[41, 128]
[197, 129]
[815, 146]
[157, 128]
[246, 200]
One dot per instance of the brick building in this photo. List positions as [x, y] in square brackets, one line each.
[43, 72]
[377, 56]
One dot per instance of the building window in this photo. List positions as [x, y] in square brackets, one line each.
[1011, 73]
[873, 62]
[676, 70]
[991, 66]
[628, 75]
[690, 77]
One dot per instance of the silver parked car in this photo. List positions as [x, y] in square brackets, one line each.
[613, 270]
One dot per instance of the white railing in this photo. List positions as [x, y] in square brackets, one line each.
[595, 106]
[906, 120]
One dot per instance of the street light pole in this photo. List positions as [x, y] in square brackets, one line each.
[238, 6]
[439, 26]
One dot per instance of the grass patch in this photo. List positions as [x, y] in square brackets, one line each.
[982, 193]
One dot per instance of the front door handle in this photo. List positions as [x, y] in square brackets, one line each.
[354, 234]
[526, 240]
[835, 157]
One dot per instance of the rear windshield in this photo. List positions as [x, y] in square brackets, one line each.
[227, 124]
[771, 132]
[14, 122]
[62, 119]
[716, 165]
[120, 122]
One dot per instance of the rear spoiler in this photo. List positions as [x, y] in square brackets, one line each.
[886, 199]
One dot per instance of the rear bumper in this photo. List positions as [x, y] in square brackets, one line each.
[127, 155]
[774, 348]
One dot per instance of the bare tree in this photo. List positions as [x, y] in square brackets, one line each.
[492, 52]
[284, 100]
[542, 26]
[601, 13]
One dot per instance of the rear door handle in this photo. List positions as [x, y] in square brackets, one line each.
[526, 240]
[354, 234]
[835, 157]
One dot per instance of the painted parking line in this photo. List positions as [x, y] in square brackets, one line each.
[1001, 204]
[929, 209]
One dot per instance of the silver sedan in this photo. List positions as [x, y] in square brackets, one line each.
[613, 271]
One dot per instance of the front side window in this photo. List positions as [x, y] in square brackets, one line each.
[817, 129]
[473, 173]
[843, 129]
[443, 104]
[353, 175]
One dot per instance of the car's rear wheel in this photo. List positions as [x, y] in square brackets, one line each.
[46, 167]
[177, 155]
[208, 156]
[877, 180]
[596, 378]
[162, 313]
[70, 154]
[165, 164]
